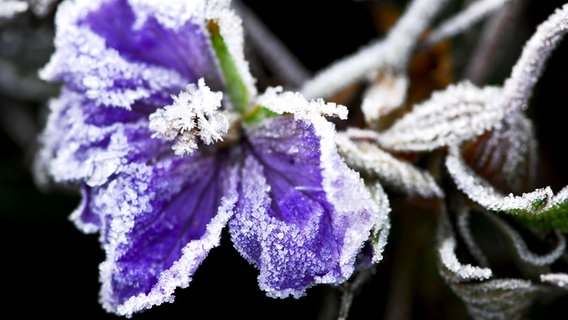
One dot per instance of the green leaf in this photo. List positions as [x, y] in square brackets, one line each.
[540, 208]
[235, 85]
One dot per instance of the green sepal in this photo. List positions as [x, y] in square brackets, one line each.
[235, 85]
[257, 114]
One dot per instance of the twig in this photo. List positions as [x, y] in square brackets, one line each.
[279, 59]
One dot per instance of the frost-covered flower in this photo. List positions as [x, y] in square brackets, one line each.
[160, 123]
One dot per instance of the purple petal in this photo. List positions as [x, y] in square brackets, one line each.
[302, 215]
[83, 217]
[160, 222]
[185, 50]
[74, 150]
[117, 56]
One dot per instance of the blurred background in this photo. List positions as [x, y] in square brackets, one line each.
[50, 269]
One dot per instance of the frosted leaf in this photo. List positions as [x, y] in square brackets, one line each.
[279, 101]
[9, 9]
[458, 113]
[486, 195]
[522, 251]
[532, 261]
[193, 114]
[381, 228]
[506, 156]
[484, 296]
[498, 299]
[558, 279]
[385, 94]
[518, 88]
[454, 269]
[540, 207]
[464, 230]
[360, 151]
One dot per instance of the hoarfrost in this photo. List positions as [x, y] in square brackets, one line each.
[279, 101]
[360, 151]
[458, 113]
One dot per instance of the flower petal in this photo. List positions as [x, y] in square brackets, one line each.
[302, 214]
[117, 55]
[84, 218]
[73, 149]
[160, 222]
[139, 36]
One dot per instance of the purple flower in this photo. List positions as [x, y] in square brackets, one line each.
[165, 161]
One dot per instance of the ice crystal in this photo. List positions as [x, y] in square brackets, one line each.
[193, 113]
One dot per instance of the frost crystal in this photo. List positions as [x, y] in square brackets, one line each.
[446, 250]
[193, 113]
[483, 193]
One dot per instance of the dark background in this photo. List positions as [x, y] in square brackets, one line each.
[50, 269]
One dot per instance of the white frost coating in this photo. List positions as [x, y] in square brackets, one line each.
[510, 152]
[558, 279]
[381, 227]
[181, 272]
[508, 298]
[349, 196]
[467, 236]
[464, 19]
[358, 148]
[295, 103]
[458, 113]
[100, 66]
[523, 251]
[172, 14]
[486, 195]
[96, 164]
[194, 113]
[384, 95]
[446, 250]
[8, 8]
[518, 88]
[561, 197]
